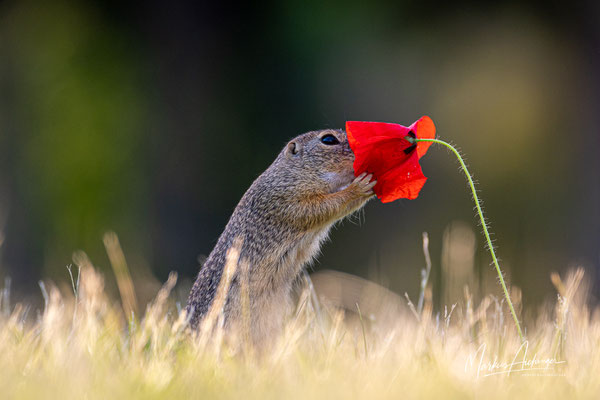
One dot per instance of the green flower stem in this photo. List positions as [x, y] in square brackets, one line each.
[483, 223]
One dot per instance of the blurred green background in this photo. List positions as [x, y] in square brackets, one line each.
[152, 119]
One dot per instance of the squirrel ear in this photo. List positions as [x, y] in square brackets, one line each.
[292, 148]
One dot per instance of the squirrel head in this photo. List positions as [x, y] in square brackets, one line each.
[320, 161]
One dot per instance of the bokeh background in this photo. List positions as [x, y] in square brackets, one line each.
[152, 119]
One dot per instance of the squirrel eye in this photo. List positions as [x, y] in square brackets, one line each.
[329, 140]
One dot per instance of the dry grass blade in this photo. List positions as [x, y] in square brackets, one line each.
[424, 272]
[216, 308]
[119, 265]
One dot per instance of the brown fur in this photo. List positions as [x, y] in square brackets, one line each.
[282, 220]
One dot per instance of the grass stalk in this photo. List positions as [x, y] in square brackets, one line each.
[122, 275]
[425, 272]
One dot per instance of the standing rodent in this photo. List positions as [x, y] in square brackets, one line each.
[282, 220]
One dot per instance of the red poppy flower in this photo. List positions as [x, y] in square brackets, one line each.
[382, 150]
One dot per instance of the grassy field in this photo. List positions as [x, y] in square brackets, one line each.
[82, 346]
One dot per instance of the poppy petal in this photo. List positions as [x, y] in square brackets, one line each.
[424, 129]
[402, 182]
[363, 133]
[382, 150]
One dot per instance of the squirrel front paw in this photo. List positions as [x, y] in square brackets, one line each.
[364, 184]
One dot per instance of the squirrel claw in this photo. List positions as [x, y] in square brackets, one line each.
[364, 184]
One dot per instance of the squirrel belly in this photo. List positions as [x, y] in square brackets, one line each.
[281, 222]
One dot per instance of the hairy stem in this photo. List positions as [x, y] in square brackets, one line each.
[483, 223]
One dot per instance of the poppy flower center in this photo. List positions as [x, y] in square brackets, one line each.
[410, 138]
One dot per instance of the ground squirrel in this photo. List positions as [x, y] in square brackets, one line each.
[282, 220]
